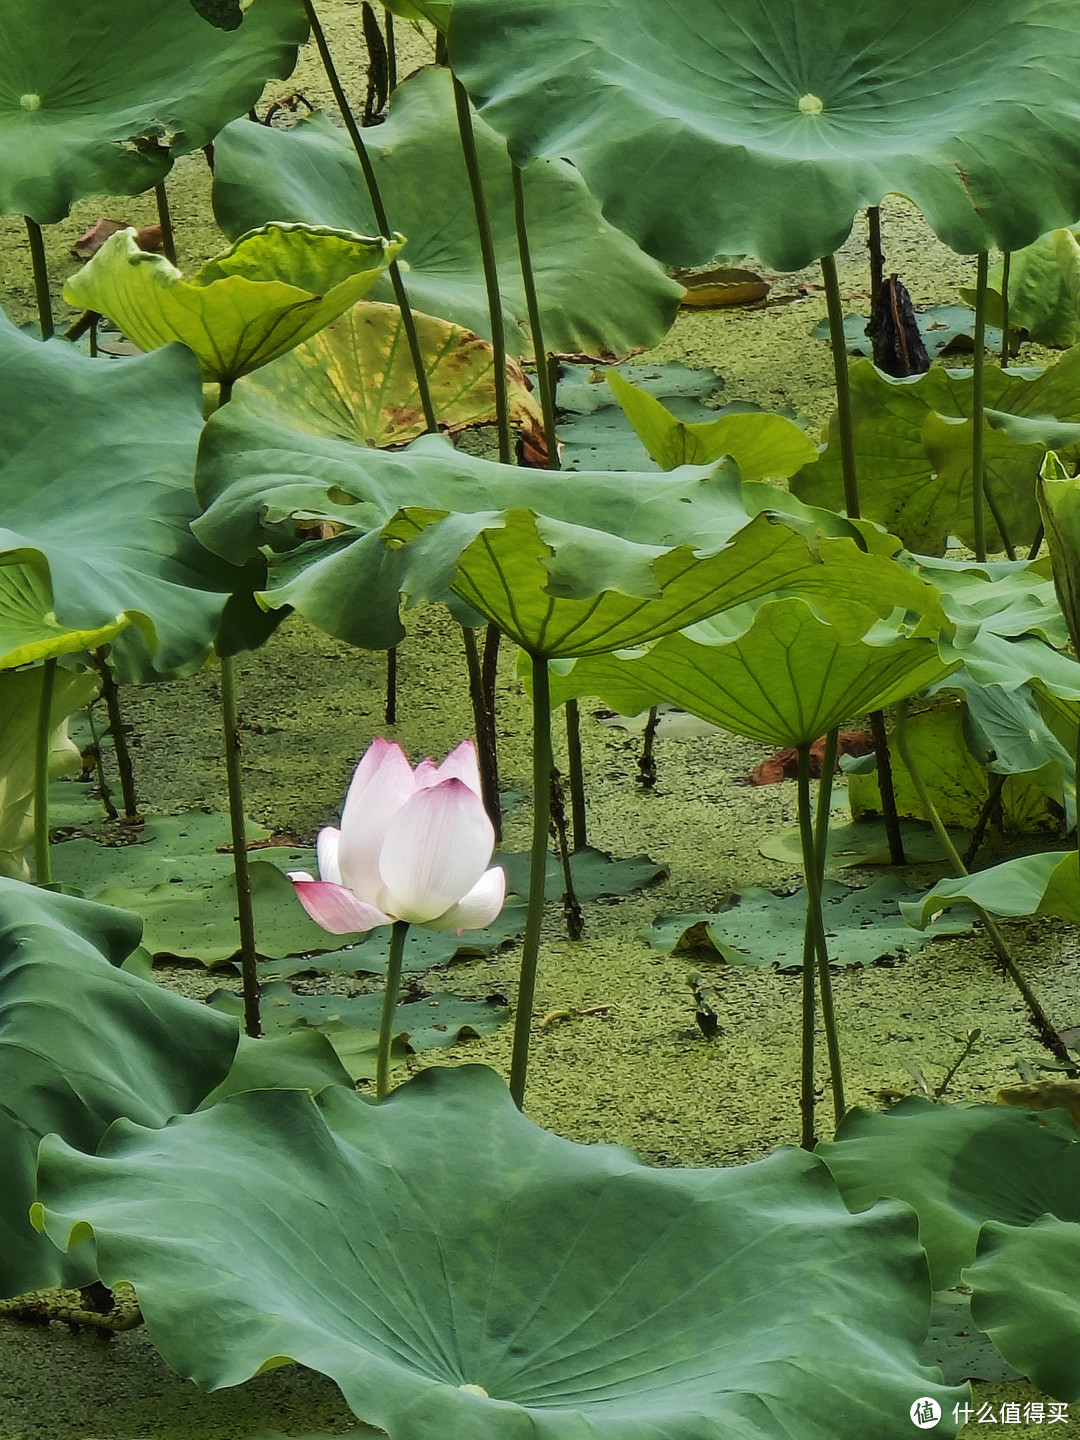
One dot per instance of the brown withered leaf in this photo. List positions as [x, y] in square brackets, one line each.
[91, 241]
[784, 764]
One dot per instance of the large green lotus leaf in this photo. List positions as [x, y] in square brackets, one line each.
[958, 1167]
[914, 459]
[1026, 1282]
[1039, 300]
[1046, 884]
[958, 781]
[355, 379]
[998, 597]
[96, 498]
[759, 928]
[29, 629]
[785, 679]
[764, 127]
[566, 563]
[274, 288]
[436, 12]
[20, 703]
[81, 1043]
[765, 447]
[100, 98]
[596, 289]
[462, 1274]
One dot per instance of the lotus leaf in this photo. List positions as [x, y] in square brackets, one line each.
[958, 1167]
[913, 450]
[547, 1289]
[436, 12]
[1046, 884]
[799, 113]
[29, 629]
[765, 447]
[760, 928]
[20, 703]
[355, 379]
[274, 288]
[81, 1043]
[96, 494]
[780, 674]
[1025, 1283]
[99, 99]
[942, 328]
[1039, 301]
[597, 291]
[957, 780]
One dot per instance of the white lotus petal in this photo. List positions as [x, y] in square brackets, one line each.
[479, 907]
[383, 782]
[462, 764]
[336, 908]
[326, 847]
[437, 847]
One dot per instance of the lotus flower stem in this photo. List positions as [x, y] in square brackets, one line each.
[978, 470]
[484, 725]
[391, 686]
[815, 944]
[110, 693]
[542, 766]
[168, 239]
[843, 387]
[41, 278]
[248, 964]
[42, 751]
[391, 995]
[1047, 1031]
[391, 54]
[532, 305]
[491, 274]
[1006, 265]
[579, 825]
[377, 206]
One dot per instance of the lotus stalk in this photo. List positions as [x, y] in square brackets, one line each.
[249, 969]
[41, 278]
[413, 848]
[375, 193]
[42, 750]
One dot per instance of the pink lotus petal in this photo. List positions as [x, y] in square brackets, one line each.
[437, 847]
[380, 787]
[462, 764]
[425, 774]
[326, 847]
[479, 907]
[336, 908]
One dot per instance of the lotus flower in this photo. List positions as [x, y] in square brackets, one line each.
[414, 845]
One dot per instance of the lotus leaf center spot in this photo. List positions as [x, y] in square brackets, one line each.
[474, 1390]
[30, 102]
[811, 105]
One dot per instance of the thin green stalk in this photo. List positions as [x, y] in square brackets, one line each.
[828, 1014]
[42, 749]
[168, 239]
[225, 389]
[889, 814]
[389, 1007]
[491, 274]
[41, 278]
[248, 964]
[1006, 266]
[353, 129]
[483, 727]
[99, 767]
[532, 305]
[391, 686]
[1048, 1032]
[391, 54]
[1036, 544]
[978, 405]
[877, 257]
[542, 767]
[843, 386]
